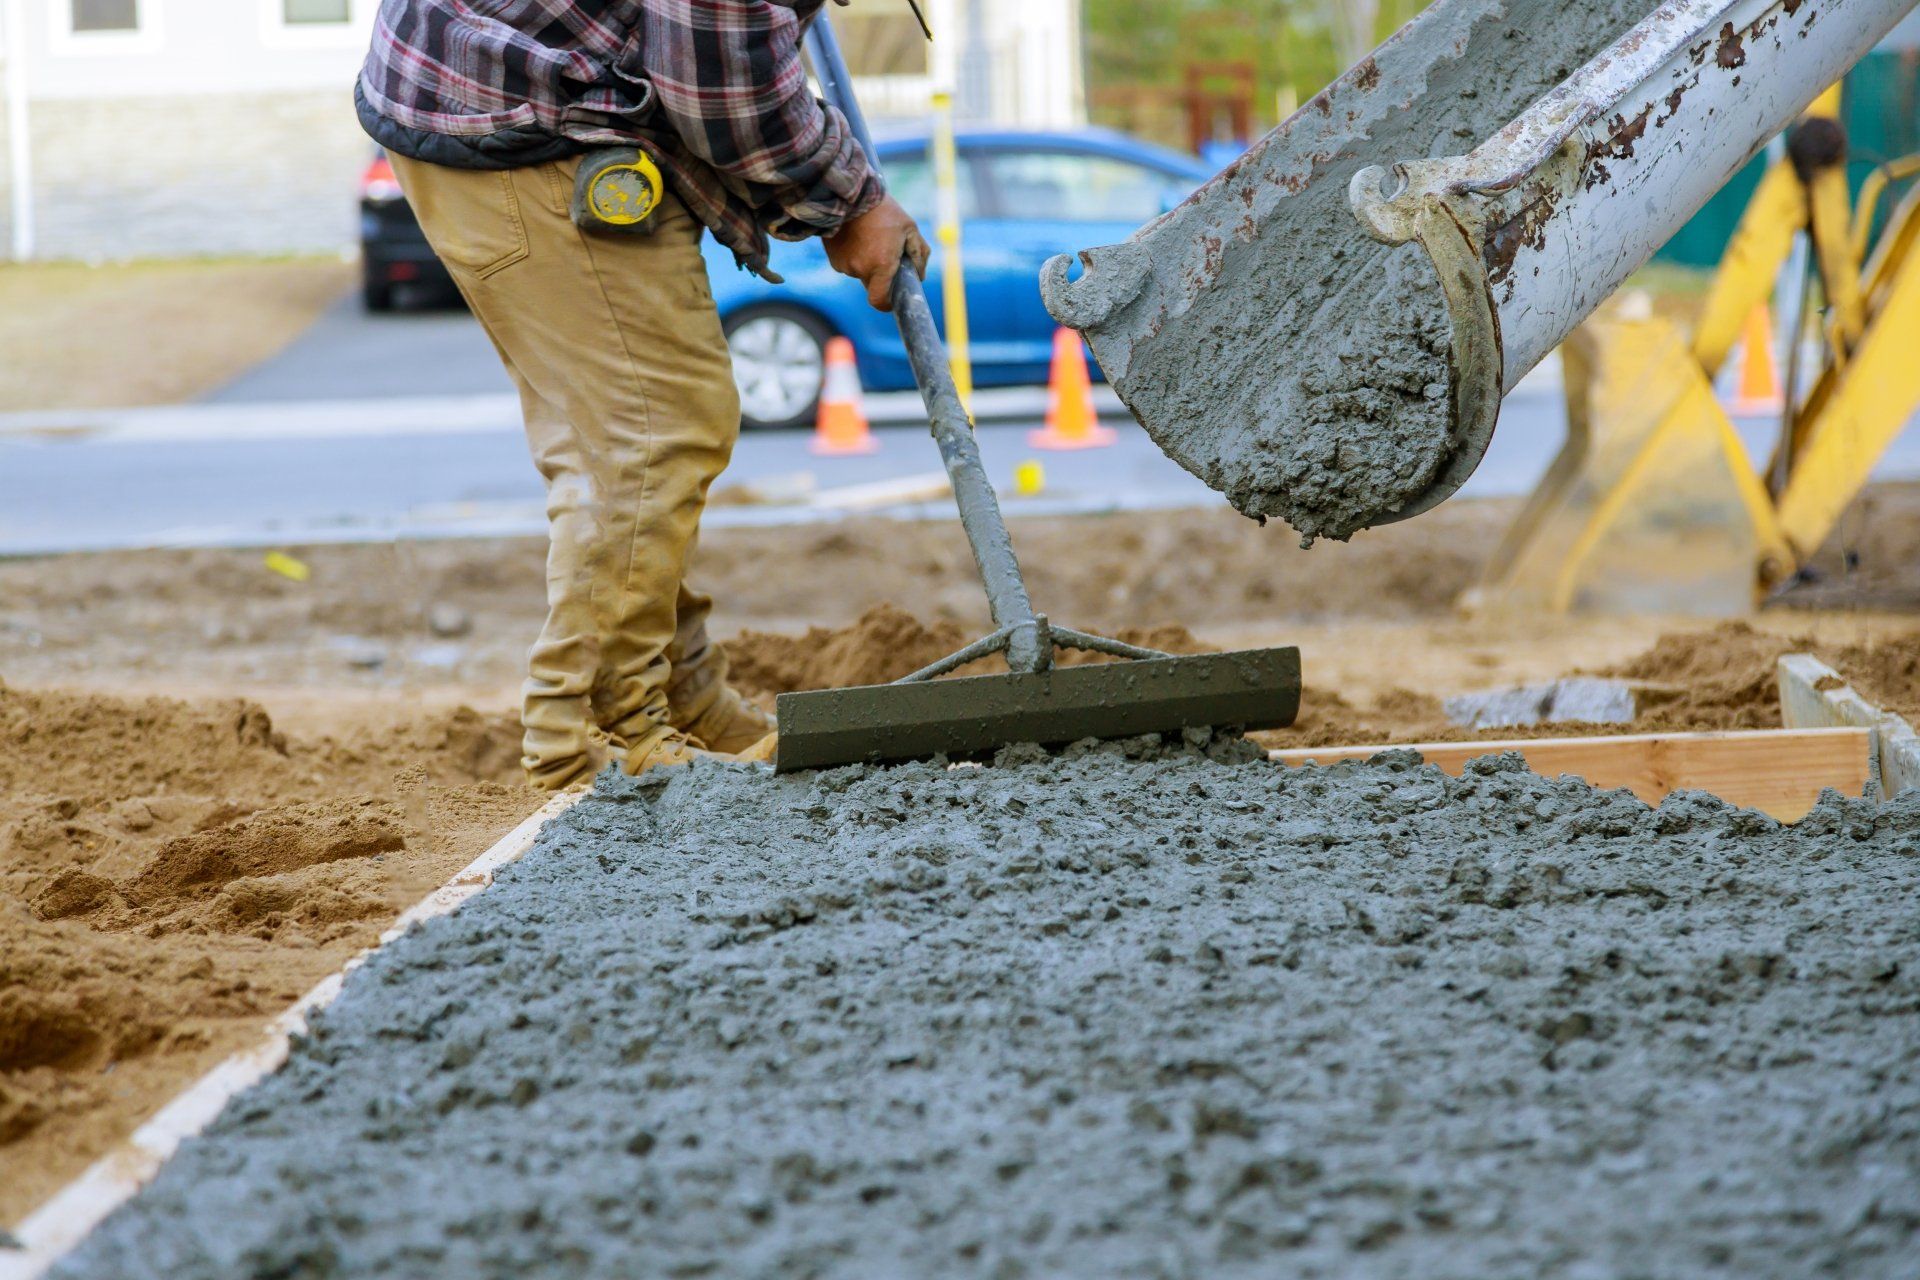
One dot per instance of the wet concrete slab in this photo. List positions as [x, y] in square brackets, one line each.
[1129, 1011]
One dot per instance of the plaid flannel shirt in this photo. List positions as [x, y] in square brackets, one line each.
[712, 89]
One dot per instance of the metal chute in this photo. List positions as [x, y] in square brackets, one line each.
[1527, 229]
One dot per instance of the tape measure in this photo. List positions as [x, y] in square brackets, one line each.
[617, 189]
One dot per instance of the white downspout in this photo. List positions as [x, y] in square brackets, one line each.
[19, 144]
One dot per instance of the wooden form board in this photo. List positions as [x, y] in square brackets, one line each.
[62, 1222]
[1777, 771]
[1813, 695]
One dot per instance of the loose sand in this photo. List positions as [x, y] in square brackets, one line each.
[1722, 677]
[1109, 1014]
[171, 873]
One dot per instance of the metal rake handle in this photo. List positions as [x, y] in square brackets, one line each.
[1027, 646]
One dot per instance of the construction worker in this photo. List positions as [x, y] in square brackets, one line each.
[487, 107]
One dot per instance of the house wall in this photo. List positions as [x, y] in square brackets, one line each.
[233, 173]
[218, 130]
[215, 129]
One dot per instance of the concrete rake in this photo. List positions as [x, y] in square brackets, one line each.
[1037, 701]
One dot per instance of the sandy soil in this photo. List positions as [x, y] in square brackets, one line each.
[1721, 677]
[457, 616]
[140, 333]
[216, 783]
[172, 872]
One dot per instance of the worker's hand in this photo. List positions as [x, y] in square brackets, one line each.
[869, 248]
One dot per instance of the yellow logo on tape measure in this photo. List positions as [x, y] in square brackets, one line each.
[625, 194]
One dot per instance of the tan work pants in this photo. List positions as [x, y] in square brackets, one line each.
[631, 412]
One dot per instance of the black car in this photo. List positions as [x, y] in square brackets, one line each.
[393, 250]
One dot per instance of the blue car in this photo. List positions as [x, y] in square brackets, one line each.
[1024, 196]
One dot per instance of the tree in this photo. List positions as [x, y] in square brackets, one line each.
[1138, 52]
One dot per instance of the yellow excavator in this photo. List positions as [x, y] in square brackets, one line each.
[1654, 493]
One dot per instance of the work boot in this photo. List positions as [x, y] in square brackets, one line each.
[729, 723]
[667, 748]
[761, 752]
[582, 769]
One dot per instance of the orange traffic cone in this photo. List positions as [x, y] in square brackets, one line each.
[1071, 420]
[1758, 391]
[840, 427]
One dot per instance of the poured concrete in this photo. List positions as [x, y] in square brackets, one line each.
[1265, 340]
[1106, 1015]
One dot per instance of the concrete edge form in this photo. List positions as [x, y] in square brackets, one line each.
[1813, 695]
[1780, 772]
[63, 1221]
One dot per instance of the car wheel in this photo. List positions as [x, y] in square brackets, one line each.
[376, 294]
[779, 365]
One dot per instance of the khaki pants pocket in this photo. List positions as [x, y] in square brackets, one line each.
[483, 234]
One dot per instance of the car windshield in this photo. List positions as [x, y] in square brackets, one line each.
[1068, 186]
[910, 179]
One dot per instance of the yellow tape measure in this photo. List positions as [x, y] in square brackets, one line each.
[618, 189]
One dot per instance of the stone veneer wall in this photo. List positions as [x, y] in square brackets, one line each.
[185, 176]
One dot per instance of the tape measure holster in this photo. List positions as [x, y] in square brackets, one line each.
[617, 191]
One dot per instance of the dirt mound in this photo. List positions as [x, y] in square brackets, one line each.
[885, 644]
[1887, 673]
[84, 748]
[1718, 679]
[1725, 678]
[268, 843]
[172, 871]
[80, 744]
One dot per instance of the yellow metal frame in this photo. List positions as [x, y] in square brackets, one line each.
[1761, 242]
[1696, 406]
[1864, 404]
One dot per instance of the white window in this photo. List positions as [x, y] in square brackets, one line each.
[106, 26]
[311, 24]
[105, 16]
[315, 13]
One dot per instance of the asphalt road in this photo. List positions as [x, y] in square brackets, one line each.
[350, 353]
[293, 473]
[373, 427]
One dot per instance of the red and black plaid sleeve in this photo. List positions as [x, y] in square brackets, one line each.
[714, 89]
[728, 75]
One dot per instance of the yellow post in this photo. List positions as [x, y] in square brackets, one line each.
[953, 281]
[1744, 278]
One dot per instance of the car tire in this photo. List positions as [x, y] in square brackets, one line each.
[779, 364]
[376, 294]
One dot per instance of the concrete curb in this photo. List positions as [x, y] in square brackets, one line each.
[529, 521]
[422, 415]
